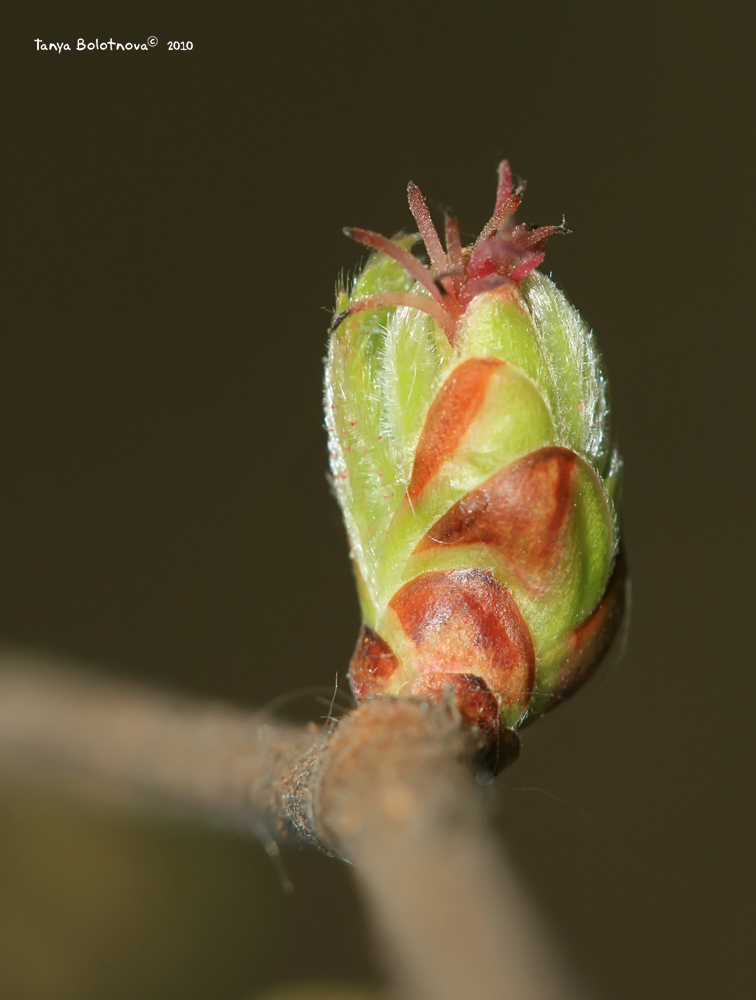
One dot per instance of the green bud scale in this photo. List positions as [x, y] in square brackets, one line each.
[472, 457]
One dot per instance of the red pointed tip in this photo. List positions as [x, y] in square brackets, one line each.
[526, 238]
[385, 300]
[454, 251]
[362, 236]
[504, 189]
[426, 228]
[527, 264]
[410, 263]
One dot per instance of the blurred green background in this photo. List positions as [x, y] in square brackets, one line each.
[174, 230]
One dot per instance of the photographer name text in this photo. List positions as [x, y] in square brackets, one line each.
[82, 45]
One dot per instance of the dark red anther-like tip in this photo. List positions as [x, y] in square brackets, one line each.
[502, 254]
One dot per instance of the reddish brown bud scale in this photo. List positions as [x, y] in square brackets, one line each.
[522, 512]
[464, 621]
[474, 700]
[449, 418]
[467, 632]
[590, 641]
[373, 665]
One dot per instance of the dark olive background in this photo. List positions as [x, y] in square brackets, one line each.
[174, 230]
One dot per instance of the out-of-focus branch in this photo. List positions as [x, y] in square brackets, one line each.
[399, 794]
[227, 763]
[391, 788]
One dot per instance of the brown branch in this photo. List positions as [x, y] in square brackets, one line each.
[391, 788]
[214, 759]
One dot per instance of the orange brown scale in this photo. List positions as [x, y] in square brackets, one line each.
[590, 641]
[476, 704]
[450, 415]
[372, 666]
[523, 512]
[464, 621]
